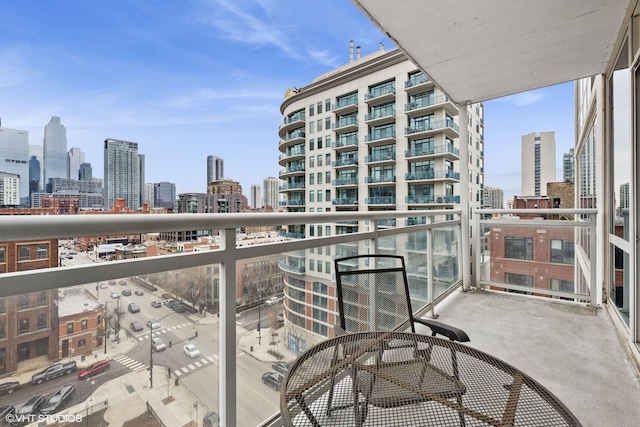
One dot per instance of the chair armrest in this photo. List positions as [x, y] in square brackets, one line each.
[451, 332]
[338, 330]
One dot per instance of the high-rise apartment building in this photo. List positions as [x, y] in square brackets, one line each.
[74, 160]
[85, 172]
[569, 166]
[9, 189]
[164, 195]
[492, 198]
[34, 176]
[538, 162]
[256, 197]
[374, 135]
[271, 193]
[121, 173]
[142, 177]
[14, 158]
[215, 169]
[55, 150]
[149, 194]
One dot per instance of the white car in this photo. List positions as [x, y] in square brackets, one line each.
[191, 351]
[115, 294]
[157, 344]
[271, 301]
[153, 323]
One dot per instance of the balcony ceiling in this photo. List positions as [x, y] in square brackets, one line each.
[480, 50]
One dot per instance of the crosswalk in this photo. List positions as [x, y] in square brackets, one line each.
[157, 332]
[196, 364]
[130, 363]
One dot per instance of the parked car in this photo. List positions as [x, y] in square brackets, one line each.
[170, 301]
[123, 283]
[5, 411]
[133, 308]
[166, 296]
[153, 323]
[139, 292]
[54, 371]
[9, 387]
[156, 304]
[57, 401]
[273, 380]
[157, 344]
[126, 293]
[136, 326]
[95, 368]
[103, 286]
[179, 308]
[24, 414]
[271, 300]
[191, 351]
[112, 282]
[281, 367]
[115, 294]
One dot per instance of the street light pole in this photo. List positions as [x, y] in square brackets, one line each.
[259, 315]
[151, 355]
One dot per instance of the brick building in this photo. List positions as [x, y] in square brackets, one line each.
[28, 322]
[80, 322]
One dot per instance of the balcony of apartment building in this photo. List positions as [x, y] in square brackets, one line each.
[346, 142]
[425, 127]
[418, 82]
[292, 138]
[295, 168]
[419, 105]
[425, 148]
[293, 121]
[381, 93]
[345, 123]
[443, 175]
[291, 154]
[345, 104]
[554, 326]
[381, 114]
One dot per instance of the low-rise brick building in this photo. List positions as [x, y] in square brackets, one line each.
[80, 321]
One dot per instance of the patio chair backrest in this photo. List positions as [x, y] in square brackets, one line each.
[373, 293]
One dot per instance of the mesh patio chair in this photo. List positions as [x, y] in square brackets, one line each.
[373, 295]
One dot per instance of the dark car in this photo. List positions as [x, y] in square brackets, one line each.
[281, 367]
[28, 412]
[211, 419]
[57, 401]
[9, 387]
[136, 326]
[112, 282]
[94, 369]
[272, 379]
[133, 308]
[179, 307]
[126, 293]
[5, 411]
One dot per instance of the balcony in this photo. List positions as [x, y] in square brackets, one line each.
[290, 123]
[345, 124]
[428, 128]
[564, 338]
[342, 143]
[381, 136]
[447, 151]
[375, 179]
[345, 105]
[439, 199]
[430, 175]
[427, 104]
[380, 95]
[292, 186]
[351, 181]
[380, 116]
[418, 83]
[381, 200]
[345, 162]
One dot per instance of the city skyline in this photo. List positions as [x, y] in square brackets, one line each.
[211, 81]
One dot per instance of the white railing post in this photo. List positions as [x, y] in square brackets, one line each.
[596, 299]
[227, 375]
[429, 243]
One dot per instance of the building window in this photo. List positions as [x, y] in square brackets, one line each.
[320, 302]
[319, 174]
[312, 265]
[319, 125]
[562, 251]
[83, 325]
[518, 248]
[312, 196]
[42, 298]
[311, 110]
[311, 144]
[319, 195]
[70, 328]
[312, 161]
[319, 139]
[312, 179]
[41, 322]
[42, 251]
[82, 343]
[319, 107]
[312, 229]
[518, 279]
[319, 161]
[312, 127]
[23, 325]
[320, 288]
[327, 105]
[3, 308]
[3, 334]
[320, 329]
[327, 161]
[23, 301]
[320, 315]
[327, 123]
[23, 253]
[3, 258]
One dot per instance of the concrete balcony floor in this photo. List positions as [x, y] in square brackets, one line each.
[574, 351]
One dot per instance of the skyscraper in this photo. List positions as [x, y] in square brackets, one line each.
[121, 173]
[538, 162]
[164, 195]
[149, 194]
[215, 169]
[34, 176]
[271, 195]
[55, 150]
[14, 158]
[493, 198]
[568, 166]
[85, 172]
[376, 134]
[141, 177]
[256, 197]
[75, 157]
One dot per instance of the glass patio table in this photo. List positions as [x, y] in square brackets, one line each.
[407, 379]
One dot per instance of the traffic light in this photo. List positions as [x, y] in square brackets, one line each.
[196, 334]
[169, 344]
[169, 372]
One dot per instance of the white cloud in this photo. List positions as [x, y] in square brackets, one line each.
[526, 98]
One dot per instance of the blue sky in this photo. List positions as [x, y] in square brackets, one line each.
[187, 79]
